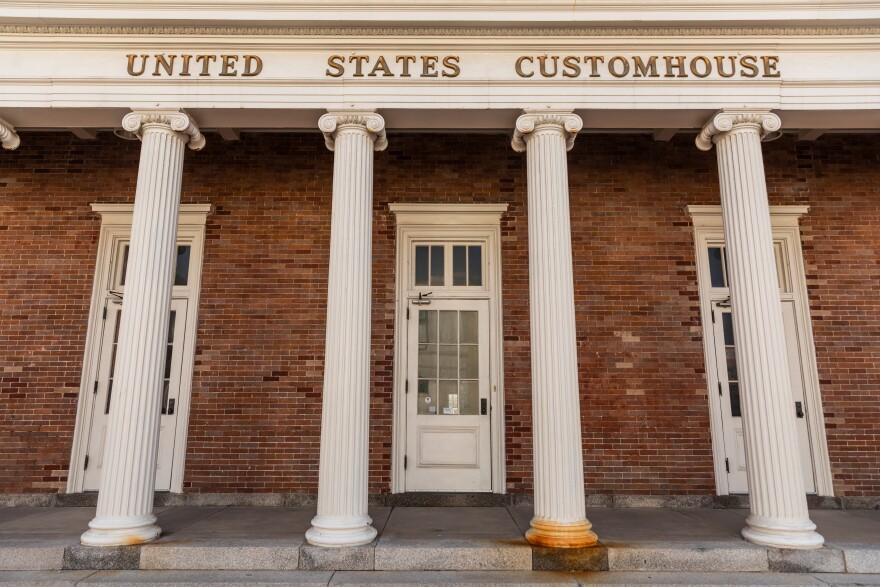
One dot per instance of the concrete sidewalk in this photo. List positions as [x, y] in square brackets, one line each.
[444, 542]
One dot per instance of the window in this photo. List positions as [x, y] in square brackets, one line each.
[449, 265]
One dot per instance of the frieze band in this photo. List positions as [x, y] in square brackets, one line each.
[450, 66]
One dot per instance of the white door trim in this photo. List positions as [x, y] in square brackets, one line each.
[116, 226]
[708, 227]
[449, 221]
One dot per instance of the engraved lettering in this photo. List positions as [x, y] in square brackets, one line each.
[749, 65]
[131, 59]
[166, 64]
[381, 65]
[228, 65]
[429, 62]
[570, 67]
[542, 61]
[359, 61]
[253, 66]
[406, 61]
[450, 65]
[770, 64]
[519, 69]
[185, 59]
[720, 61]
[643, 69]
[623, 71]
[206, 62]
[679, 65]
[706, 69]
[336, 62]
[594, 61]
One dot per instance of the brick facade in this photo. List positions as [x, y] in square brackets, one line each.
[255, 420]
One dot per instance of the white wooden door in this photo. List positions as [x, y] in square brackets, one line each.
[103, 395]
[448, 397]
[728, 388]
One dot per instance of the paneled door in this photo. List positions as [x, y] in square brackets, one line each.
[104, 390]
[729, 390]
[448, 396]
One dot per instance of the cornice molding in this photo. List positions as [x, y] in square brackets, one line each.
[410, 31]
[710, 215]
[120, 214]
[409, 214]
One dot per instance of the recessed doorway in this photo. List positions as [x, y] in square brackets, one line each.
[448, 424]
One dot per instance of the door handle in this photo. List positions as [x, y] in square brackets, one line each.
[484, 407]
[799, 409]
[170, 407]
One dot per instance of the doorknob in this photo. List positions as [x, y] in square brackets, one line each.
[799, 409]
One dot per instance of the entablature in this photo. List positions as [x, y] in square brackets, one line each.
[437, 12]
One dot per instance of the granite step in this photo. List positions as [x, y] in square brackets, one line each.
[289, 553]
[425, 579]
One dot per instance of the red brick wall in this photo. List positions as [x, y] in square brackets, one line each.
[255, 422]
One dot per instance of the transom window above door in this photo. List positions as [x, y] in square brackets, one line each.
[448, 265]
[181, 265]
[718, 266]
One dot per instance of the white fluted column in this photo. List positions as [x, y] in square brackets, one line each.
[8, 137]
[343, 474]
[125, 500]
[779, 515]
[560, 518]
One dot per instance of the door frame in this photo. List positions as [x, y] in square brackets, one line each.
[708, 227]
[116, 227]
[474, 222]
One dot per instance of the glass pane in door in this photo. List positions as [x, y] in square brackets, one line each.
[448, 361]
[730, 356]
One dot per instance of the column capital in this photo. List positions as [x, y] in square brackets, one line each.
[137, 121]
[725, 120]
[564, 120]
[8, 137]
[370, 121]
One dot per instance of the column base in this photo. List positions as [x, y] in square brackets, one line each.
[561, 535]
[121, 532]
[800, 534]
[335, 531]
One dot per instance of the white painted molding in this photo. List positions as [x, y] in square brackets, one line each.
[708, 228]
[448, 214]
[710, 216]
[448, 223]
[116, 225]
[120, 214]
[440, 12]
[503, 30]
[8, 137]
